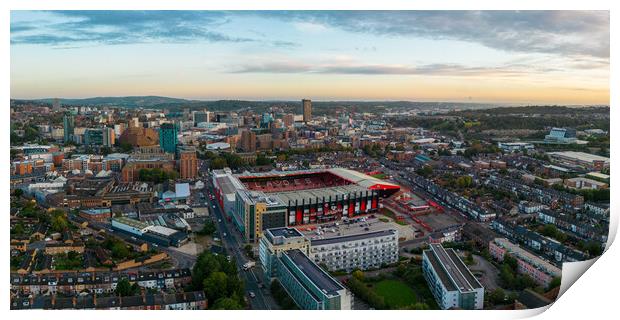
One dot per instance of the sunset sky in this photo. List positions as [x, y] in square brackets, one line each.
[490, 56]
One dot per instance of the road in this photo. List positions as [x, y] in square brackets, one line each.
[231, 240]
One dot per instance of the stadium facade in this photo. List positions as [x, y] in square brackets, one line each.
[259, 201]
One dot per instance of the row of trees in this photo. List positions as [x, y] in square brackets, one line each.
[219, 279]
[156, 175]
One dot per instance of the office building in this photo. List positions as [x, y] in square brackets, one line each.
[255, 212]
[202, 116]
[168, 137]
[248, 141]
[283, 253]
[451, 283]
[93, 137]
[307, 109]
[276, 241]
[357, 251]
[561, 135]
[69, 127]
[109, 137]
[188, 163]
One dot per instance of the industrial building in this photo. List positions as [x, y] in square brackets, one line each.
[160, 235]
[452, 284]
[580, 159]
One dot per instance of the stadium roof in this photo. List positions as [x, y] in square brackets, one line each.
[362, 179]
[310, 196]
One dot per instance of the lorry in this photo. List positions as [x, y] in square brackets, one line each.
[248, 265]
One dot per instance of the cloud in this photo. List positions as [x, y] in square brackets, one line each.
[566, 33]
[127, 27]
[352, 68]
[558, 32]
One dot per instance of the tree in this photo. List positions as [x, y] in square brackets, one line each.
[208, 229]
[120, 251]
[59, 221]
[497, 296]
[425, 171]
[555, 282]
[469, 259]
[18, 192]
[215, 285]
[359, 275]
[126, 147]
[218, 163]
[124, 288]
[464, 181]
[226, 304]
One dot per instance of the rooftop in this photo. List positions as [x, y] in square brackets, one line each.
[452, 272]
[319, 278]
[353, 237]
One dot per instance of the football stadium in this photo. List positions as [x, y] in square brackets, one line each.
[259, 201]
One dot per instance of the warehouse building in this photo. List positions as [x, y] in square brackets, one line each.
[152, 233]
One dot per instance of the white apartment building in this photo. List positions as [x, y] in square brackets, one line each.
[358, 251]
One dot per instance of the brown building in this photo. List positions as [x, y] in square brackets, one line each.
[56, 248]
[23, 167]
[264, 141]
[307, 109]
[140, 137]
[248, 141]
[131, 171]
[288, 119]
[188, 163]
[96, 214]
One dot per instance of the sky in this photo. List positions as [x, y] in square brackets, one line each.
[520, 57]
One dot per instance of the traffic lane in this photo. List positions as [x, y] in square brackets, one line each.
[231, 242]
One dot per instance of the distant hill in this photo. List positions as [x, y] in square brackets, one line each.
[127, 102]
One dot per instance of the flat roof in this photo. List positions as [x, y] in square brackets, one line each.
[587, 157]
[458, 274]
[131, 222]
[285, 232]
[353, 237]
[164, 231]
[319, 278]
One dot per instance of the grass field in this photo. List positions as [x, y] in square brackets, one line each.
[395, 293]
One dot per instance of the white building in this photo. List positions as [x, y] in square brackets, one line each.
[451, 283]
[358, 251]
[514, 146]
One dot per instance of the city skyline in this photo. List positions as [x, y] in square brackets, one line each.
[546, 57]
